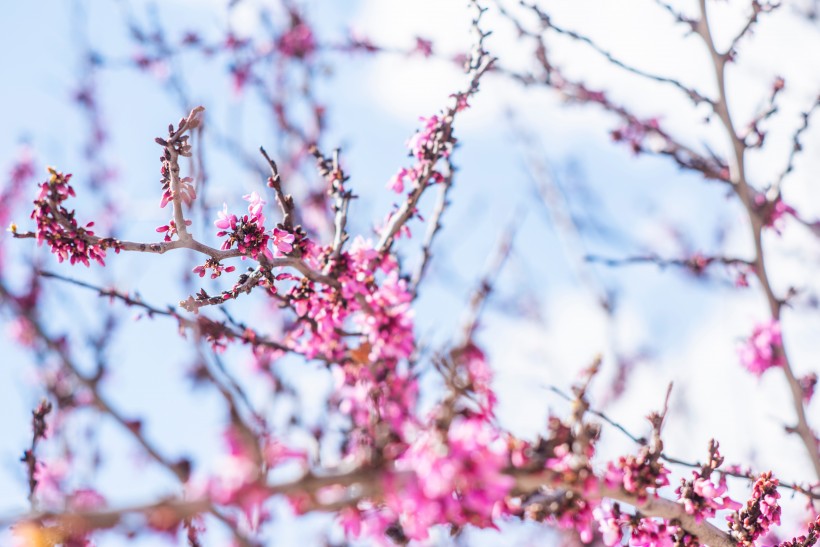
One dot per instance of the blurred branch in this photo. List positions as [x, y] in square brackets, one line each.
[745, 193]
[434, 225]
[797, 147]
[485, 285]
[547, 24]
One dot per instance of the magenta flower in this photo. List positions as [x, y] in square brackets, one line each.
[764, 349]
[396, 182]
[773, 213]
[700, 496]
[424, 47]
[224, 221]
[459, 480]
[283, 240]
[761, 512]
[609, 523]
[58, 226]
[256, 203]
[297, 41]
[421, 144]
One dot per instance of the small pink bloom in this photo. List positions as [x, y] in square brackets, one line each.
[283, 240]
[764, 349]
[425, 47]
[225, 221]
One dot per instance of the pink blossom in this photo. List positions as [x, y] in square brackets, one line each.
[424, 47]
[298, 40]
[764, 348]
[422, 143]
[212, 264]
[58, 226]
[609, 523]
[255, 206]
[702, 498]
[773, 212]
[21, 330]
[652, 533]
[225, 221]
[247, 232]
[808, 383]
[283, 240]
[637, 474]
[396, 182]
[458, 480]
[170, 229]
[50, 475]
[760, 513]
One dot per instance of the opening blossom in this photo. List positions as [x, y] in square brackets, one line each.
[247, 232]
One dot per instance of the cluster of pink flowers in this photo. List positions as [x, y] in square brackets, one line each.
[643, 531]
[187, 192]
[427, 145]
[701, 497]
[773, 213]
[610, 523]
[808, 383]
[424, 47]
[297, 41]
[424, 145]
[455, 478]
[760, 513]
[170, 230]
[650, 532]
[808, 540]
[764, 348]
[411, 174]
[214, 265]
[373, 298]
[576, 513]
[637, 474]
[57, 226]
[459, 482]
[445, 472]
[248, 232]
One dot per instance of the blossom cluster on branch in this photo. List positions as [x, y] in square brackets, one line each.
[408, 461]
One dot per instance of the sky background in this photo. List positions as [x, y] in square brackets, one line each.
[543, 325]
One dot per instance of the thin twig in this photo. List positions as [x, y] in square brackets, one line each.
[485, 285]
[434, 226]
[694, 95]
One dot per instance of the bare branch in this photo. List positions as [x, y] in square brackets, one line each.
[433, 227]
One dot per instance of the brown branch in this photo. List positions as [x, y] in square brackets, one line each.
[757, 9]
[434, 225]
[797, 147]
[479, 64]
[175, 146]
[285, 201]
[331, 171]
[38, 432]
[485, 286]
[367, 485]
[745, 193]
[179, 469]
